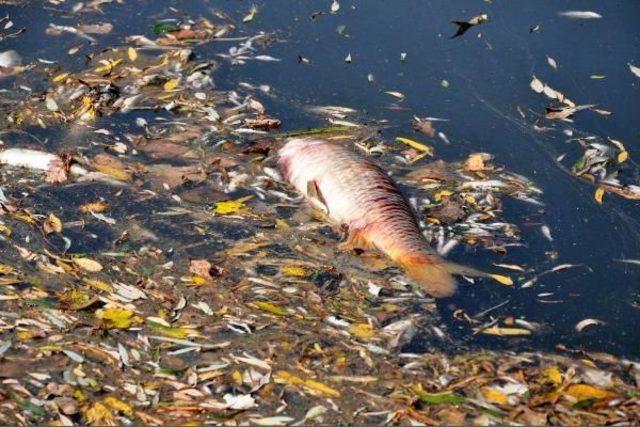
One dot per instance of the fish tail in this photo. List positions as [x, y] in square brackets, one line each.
[435, 274]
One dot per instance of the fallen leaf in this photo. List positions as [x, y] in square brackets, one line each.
[171, 84]
[52, 225]
[117, 318]
[294, 271]
[505, 280]
[502, 331]
[132, 53]
[599, 194]
[231, 207]
[271, 308]
[361, 330]
[635, 70]
[415, 144]
[88, 264]
[583, 392]
[588, 322]
[495, 396]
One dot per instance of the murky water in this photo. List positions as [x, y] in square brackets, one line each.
[488, 80]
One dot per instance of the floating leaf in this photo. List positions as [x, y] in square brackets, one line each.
[635, 70]
[118, 405]
[553, 374]
[98, 414]
[294, 271]
[88, 264]
[171, 84]
[117, 318]
[398, 95]
[252, 13]
[445, 398]
[172, 331]
[415, 144]
[113, 171]
[495, 396]
[132, 53]
[231, 207]
[52, 225]
[583, 392]
[314, 386]
[271, 308]
[597, 76]
[502, 331]
[599, 194]
[505, 280]
[552, 63]
[536, 85]
[588, 322]
[361, 330]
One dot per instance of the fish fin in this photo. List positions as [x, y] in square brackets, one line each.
[463, 27]
[356, 239]
[313, 192]
[435, 275]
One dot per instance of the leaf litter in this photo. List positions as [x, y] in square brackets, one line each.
[145, 276]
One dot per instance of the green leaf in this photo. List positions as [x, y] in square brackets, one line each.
[442, 399]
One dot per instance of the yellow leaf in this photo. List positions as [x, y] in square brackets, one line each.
[199, 280]
[118, 405]
[88, 264]
[171, 84]
[94, 207]
[415, 144]
[505, 280]
[60, 77]
[6, 269]
[245, 247]
[133, 54]
[99, 414]
[316, 387]
[622, 156]
[553, 374]
[108, 66]
[99, 284]
[584, 391]
[112, 171]
[599, 194]
[361, 330]
[237, 377]
[52, 224]
[322, 388]
[4, 229]
[500, 331]
[442, 193]
[294, 271]
[173, 332]
[271, 308]
[231, 207]
[117, 318]
[494, 396]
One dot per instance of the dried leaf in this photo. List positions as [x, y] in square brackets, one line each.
[504, 280]
[584, 392]
[415, 145]
[361, 330]
[171, 84]
[502, 331]
[88, 264]
[117, 318]
[231, 207]
[599, 194]
[52, 225]
[271, 308]
[132, 53]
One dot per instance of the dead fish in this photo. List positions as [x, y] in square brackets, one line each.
[362, 200]
[463, 26]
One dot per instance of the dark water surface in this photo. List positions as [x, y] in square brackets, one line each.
[488, 79]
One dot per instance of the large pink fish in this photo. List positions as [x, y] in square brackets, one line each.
[358, 196]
